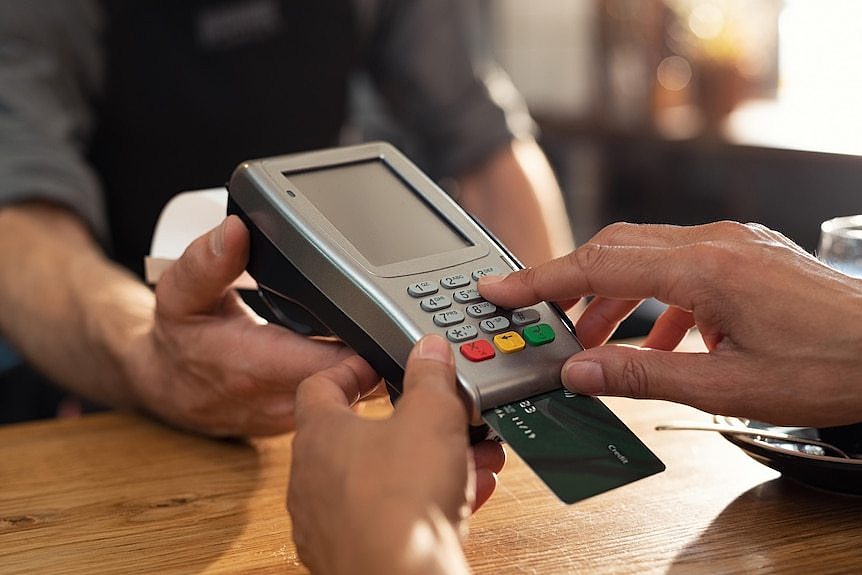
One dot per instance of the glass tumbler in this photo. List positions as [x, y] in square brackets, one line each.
[841, 244]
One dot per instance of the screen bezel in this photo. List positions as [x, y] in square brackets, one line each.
[322, 233]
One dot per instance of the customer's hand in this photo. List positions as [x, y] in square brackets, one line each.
[784, 332]
[390, 496]
[209, 363]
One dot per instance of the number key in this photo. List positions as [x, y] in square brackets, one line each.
[467, 295]
[486, 271]
[494, 325]
[435, 302]
[483, 309]
[455, 281]
[421, 289]
[447, 318]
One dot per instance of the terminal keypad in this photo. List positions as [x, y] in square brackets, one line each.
[471, 316]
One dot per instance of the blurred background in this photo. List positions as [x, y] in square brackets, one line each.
[688, 111]
[675, 111]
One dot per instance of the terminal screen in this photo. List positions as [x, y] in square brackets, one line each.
[378, 212]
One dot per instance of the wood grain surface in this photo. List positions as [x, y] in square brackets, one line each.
[118, 493]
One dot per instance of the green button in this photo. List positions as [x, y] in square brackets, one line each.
[539, 334]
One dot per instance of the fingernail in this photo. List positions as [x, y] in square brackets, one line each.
[585, 377]
[217, 240]
[435, 348]
[490, 280]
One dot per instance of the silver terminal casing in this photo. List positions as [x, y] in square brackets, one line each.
[367, 304]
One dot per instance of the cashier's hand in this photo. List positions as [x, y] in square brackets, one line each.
[390, 496]
[783, 331]
[209, 363]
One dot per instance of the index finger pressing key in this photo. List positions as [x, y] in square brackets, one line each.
[620, 272]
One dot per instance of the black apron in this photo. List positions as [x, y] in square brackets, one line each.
[193, 88]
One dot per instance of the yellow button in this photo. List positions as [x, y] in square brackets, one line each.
[509, 342]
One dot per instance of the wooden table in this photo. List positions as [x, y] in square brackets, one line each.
[117, 493]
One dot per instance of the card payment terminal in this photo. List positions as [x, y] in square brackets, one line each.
[359, 243]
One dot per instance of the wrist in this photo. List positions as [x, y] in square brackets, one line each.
[117, 312]
[71, 328]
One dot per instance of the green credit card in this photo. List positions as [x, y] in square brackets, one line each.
[574, 443]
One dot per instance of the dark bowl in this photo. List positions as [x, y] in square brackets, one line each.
[834, 474]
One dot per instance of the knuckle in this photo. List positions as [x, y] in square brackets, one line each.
[529, 280]
[634, 379]
[712, 259]
[759, 230]
[589, 260]
[243, 387]
[188, 265]
[770, 237]
[590, 256]
[442, 405]
[614, 231]
[731, 229]
[527, 276]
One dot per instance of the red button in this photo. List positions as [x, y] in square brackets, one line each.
[478, 350]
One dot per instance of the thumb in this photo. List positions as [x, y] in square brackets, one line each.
[706, 381]
[430, 398]
[196, 283]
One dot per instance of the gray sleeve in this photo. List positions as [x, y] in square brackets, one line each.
[49, 72]
[424, 66]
